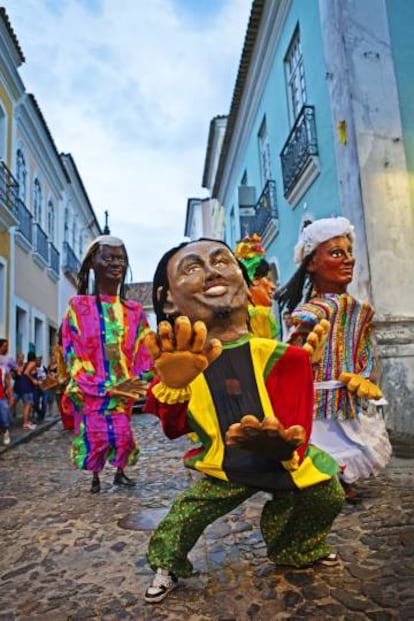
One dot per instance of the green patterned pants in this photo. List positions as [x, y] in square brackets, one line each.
[294, 524]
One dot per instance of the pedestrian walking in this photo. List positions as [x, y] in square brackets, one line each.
[6, 403]
[27, 385]
[40, 395]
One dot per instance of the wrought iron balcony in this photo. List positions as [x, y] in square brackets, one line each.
[71, 263]
[299, 148]
[264, 213]
[9, 193]
[25, 219]
[53, 258]
[40, 242]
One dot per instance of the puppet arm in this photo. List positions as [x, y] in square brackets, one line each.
[360, 385]
[181, 353]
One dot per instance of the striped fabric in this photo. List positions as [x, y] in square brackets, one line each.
[348, 348]
[102, 346]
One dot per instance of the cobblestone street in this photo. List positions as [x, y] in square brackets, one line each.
[69, 555]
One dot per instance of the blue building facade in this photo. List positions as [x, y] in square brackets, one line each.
[321, 123]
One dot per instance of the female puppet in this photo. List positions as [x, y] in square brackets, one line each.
[262, 321]
[346, 422]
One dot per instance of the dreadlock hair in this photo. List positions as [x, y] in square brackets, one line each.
[161, 285]
[262, 269]
[297, 289]
[86, 266]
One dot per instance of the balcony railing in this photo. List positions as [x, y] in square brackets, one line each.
[53, 258]
[40, 243]
[300, 146]
[262, 214]
[266, 208]
[71, 263]
[25, 221]
[9, 190]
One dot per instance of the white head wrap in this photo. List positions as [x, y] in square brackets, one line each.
[320, 231]
[105, 240]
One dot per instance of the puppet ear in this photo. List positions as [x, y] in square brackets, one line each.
[311, 267]
[169, 307]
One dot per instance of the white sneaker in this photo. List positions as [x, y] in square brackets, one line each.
[163, 582]
[6, 438]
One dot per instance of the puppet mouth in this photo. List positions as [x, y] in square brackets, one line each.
[215, 291]
[116, 273]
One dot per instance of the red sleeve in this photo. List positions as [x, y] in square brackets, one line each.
[173, 418]
[290, 387]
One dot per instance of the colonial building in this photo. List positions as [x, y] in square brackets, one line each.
[46, 219]
[321, 124]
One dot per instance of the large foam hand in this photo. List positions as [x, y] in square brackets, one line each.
[132, 388]
[181, 353]
[362, 386]
[267, 438]
[315, 341]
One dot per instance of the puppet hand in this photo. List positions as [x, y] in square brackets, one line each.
[267, 438]
[363, 387]
[132, 388]
[182, 353]
[315, 341]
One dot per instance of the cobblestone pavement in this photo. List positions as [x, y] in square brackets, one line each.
[69, 555]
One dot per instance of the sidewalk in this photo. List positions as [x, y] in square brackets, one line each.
[19, 435]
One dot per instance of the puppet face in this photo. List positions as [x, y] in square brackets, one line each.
[109, 264]
[262, 290]
[331, 268]
[205, 282]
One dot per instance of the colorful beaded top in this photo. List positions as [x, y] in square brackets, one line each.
[348, 348]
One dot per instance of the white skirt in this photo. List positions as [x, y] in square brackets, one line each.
[361, 446]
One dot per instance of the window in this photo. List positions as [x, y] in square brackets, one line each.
[66, 225]
[3, 295]
[3, 133]
[81, 241]
[51, 220]
[264, 150]
[74, 232]
[21, 174]
[295, 77]
[37, 201]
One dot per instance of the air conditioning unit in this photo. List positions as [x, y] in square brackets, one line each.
[247, 200]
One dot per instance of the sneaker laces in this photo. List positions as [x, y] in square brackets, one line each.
[162, 580]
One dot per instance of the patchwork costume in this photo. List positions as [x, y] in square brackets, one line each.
[264, 378]
[102, 339]
[346, 425]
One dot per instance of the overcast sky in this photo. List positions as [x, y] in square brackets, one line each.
[129, 88]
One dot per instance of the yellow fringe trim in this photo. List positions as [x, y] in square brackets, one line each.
[164, 394]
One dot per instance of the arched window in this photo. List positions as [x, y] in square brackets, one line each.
[51, 220]
[37, 201]
[21, 174]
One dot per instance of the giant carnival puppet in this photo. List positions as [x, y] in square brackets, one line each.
[250, 401]
[251, 254]
[346, 423]
[106, 360]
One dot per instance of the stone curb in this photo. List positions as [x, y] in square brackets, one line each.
[28, 435]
